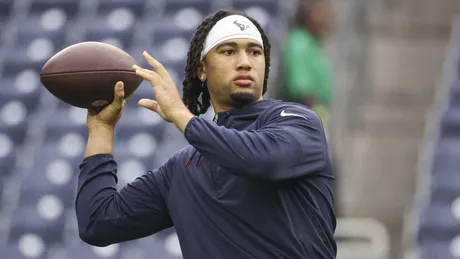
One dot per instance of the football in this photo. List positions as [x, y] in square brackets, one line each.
[84, 74]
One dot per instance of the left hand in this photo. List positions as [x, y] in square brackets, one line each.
[168, 102]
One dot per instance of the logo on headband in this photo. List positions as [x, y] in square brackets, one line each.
[240, 25]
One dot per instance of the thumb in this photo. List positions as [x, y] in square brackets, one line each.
[149, 104]
[119, 95]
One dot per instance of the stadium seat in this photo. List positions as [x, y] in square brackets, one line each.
[438, 223]
[5, 11]
[68, 146]
[68, 5]
[8, 150]
[120, 39]
[261, 10]
[116, 16]
[43, 32]
[35, 49]
[21, 84]
[446, 187]
[34, 189]
[29, 248]
[451, 122]
[135, 4]
[180, 15]
[173, 7]
[455, 95]
[52, 15]
[43, 221]
[81, 250]
[67, 119]
[436, 250]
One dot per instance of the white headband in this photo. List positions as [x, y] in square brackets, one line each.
[231, 27]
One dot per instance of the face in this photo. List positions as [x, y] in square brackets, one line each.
[234, 71]
[318, 19]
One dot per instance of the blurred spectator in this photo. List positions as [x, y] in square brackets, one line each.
[307, 70]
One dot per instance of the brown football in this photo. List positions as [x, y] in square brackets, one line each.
[84, 74]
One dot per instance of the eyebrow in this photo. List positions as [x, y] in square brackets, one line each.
[234, 44]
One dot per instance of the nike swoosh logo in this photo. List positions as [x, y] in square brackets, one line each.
[284, 114]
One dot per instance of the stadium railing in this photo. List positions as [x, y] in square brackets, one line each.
[361, 238]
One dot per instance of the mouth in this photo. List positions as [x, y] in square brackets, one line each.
[243, 81]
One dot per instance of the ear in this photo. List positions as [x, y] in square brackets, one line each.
[201, 71]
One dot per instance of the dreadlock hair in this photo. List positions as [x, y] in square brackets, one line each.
[193, 88]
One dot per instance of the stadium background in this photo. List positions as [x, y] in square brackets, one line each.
[394, 125]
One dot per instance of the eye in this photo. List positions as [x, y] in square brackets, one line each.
[256, 52]
[228, 52]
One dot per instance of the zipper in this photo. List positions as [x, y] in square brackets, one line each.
[216, 117]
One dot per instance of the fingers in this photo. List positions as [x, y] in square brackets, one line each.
[148, 75]
[159, 68]
[149, 104]
[119, 94]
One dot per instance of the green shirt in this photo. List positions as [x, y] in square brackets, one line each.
[307, 68]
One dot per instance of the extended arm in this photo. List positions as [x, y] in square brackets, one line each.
[290, 144]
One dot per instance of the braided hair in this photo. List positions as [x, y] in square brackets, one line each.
[193, 88]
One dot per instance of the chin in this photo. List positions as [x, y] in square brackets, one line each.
[242, 98]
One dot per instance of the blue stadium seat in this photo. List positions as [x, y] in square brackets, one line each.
[62, 123]
[124, 37]
[445, 187]
[37, 186]
[174, 6]
[26, 219]
[12, 251]
[436, 250]
[161, 37]
[451, 122]
[8, 157]
[20, 55]
[258, 9]
[438, 223]
[108, 21]
[445, 179]
[137, 5]
[5, 13]
[7, 165]
[180, 15]
[157, 250]
[124, 250]
[70, 5]
[28, 93]
[455, 97]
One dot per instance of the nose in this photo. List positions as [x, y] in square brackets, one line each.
[243, 62]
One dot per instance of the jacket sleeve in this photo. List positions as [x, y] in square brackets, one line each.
[106, 216]
[290, 144]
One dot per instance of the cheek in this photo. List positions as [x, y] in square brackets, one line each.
[261, 71]
[220, 75]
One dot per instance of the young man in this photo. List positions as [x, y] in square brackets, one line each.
[255, 183]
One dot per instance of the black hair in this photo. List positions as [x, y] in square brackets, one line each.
[301, 15]
[193, 88]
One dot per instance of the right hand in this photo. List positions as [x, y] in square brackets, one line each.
[109, 116]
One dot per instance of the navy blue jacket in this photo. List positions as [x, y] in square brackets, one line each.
[255, 183]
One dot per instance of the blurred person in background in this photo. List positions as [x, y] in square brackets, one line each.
[307, 69]
[307, 72]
